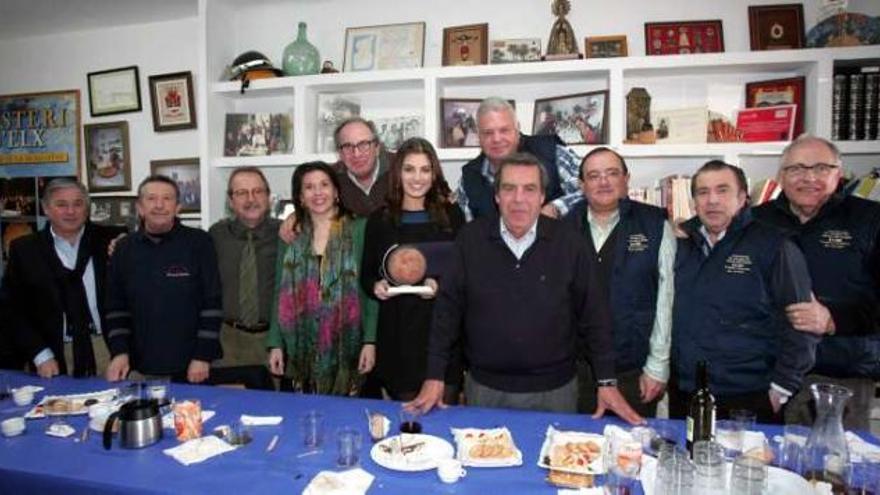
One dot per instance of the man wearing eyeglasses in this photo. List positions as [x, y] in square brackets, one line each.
[840, 238]
[247, 247]
[633, 247]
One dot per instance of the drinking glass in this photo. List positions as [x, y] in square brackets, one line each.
[749, 476]
[348, 445]
[729, 434]
[745, 418]
[791, 454]
[709, 463]
[675, 473]
[312, 424]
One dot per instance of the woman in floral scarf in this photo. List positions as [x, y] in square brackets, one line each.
[322, 319]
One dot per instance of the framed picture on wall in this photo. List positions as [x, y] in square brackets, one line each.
[114, 91]
[114, 210]
[173, 101]
[776, 27]
[389, 46]
[466, 45]
[108, 158]
[185, 172]
[511, 51]
[459, 125]
[683, 37]
[576, 119]
[605, 46]
[779, 92]
[50, 146]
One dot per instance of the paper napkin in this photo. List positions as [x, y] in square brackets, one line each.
[198, 450]
[352, 482]
[249, 420]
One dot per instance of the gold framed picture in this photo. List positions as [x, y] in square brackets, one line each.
[605, 46]
[466, 45]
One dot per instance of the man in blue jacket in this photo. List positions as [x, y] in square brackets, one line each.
[633, 247]
[840, 238]
[500, 137]
[734, 278]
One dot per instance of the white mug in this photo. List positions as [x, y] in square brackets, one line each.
[13, 426]
[450, 470]
[22, 396]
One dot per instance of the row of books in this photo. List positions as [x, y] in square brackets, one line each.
[854, 105]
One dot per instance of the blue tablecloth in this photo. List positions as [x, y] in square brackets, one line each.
[36, 462]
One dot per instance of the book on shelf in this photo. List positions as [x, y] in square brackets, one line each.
[854, 105]
[868, 186]
[675, 196]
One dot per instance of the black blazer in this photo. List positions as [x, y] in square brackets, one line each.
[33, 292]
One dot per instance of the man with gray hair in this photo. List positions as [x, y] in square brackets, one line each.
[55, 285]
[840, 238]
[499, 137]
[523, 296]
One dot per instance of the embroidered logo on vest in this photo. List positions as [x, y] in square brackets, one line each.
[738, 263]
[637, 243]
[836, 239]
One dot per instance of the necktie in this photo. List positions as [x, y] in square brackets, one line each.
[248, 301]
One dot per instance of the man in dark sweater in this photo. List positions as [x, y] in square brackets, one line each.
[163, 294]
[522, 295]
[840, 238]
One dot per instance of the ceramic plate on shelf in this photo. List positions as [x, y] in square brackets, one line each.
[411, 452]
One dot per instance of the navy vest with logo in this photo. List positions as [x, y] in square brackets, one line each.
[723, 310]
[840, 245]
[634, 279]
[481, 194]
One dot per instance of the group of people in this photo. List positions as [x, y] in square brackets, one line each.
[557, 291]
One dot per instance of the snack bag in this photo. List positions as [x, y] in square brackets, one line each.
[188, 420]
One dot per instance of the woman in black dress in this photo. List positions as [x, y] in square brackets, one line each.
[419, 213]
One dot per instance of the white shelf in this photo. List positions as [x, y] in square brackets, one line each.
[859, 148]
[286, 160]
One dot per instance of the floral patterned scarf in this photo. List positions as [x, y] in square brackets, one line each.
[319, 311]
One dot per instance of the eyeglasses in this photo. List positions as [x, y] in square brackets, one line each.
[609, 174]
[362, 146]
[256, 192]
[800, 170]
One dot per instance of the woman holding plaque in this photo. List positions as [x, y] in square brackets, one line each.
[322, 319]
[404, 244]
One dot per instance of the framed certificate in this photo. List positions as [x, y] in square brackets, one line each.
[776, 27]
[779, 92]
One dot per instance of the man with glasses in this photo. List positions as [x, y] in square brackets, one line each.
[362, 166]
[840, 238]
[633, 247]
[247, 247]
[499, 137]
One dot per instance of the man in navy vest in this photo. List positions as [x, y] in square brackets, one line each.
[633, 247]
[734, 278]
[499, 137]
[840, 238]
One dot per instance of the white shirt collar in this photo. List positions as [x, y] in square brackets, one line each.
[57, 238]
[357, 183]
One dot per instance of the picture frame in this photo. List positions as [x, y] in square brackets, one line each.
[187, 174]
[118, 211]
[458, 128]
[53, 145]
[466, 45]
[386, 46]
[773, 92]
[108, 156]
[684, 37]
[577, 119]
[515, 50]
[333, 109]
[605, 46]
[114, 91]
[776, 27]
[681, 125]
[258, 134]
[172, 101]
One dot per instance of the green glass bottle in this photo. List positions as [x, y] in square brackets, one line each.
[301, 57]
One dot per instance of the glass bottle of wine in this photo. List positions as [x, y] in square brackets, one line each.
[701, 409]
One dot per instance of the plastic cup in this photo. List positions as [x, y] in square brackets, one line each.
[312, 427]
[348, 447]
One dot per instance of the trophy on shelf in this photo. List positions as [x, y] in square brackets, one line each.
[562, 44]
[638, 117]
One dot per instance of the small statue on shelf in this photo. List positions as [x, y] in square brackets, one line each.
[562, 44]
[327, 67]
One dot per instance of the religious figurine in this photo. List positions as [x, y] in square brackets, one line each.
[562, 43]
[638, 114]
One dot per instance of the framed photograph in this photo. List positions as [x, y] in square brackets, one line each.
[576, 119]
[605, 46]
[466, 45]
[393, 131]
[108, 157]
[459, 126]
[779, 92]
[332, 111]
[173, 101]
[681, 125]
[389, 46]
[117, 211]
[776, 27]
[512, 51]
[683, 37]
[114, 91]
[185, 172]
[50, 146]
[258, 134]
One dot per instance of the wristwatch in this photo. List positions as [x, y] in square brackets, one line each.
[608, 382]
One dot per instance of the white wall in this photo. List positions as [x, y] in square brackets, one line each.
[62, 61]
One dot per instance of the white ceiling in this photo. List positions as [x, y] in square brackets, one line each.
[25, 18]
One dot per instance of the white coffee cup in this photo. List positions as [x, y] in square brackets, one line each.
[450, 470]
[13, 426]
[99, 411]
[22, 396]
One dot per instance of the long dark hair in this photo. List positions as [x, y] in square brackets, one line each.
[302, 216]
[437, 197]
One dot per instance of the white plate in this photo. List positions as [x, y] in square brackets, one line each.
[556, 437]
[39, 411]
[435, 449]
[465, 439]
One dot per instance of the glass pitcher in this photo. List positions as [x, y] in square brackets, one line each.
[827, 456]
